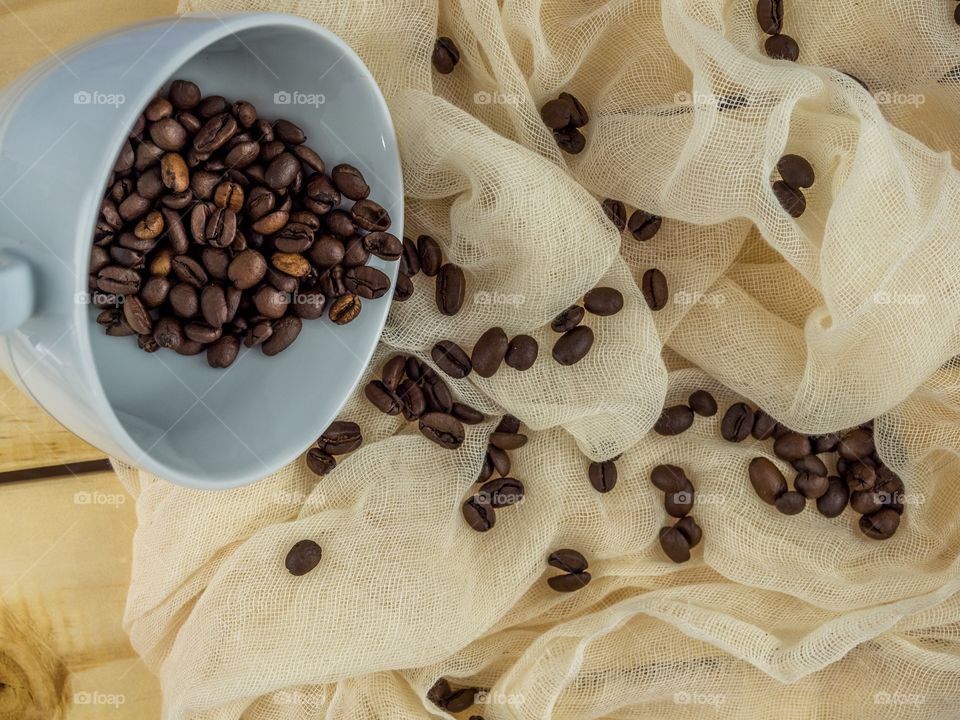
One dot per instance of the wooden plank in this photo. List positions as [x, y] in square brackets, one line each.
[64, 573]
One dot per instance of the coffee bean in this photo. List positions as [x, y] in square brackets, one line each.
[436, 392]
[479, 513]
[880, 525]
[446, 55]
[767, 480]
[383, 398]
[173, 170]
[856, 445]
[282, 171]
[370, 216]
[680, 503]
[690, 530]
[616, 213]
[557, 114]
[573, 345]
[319, 462]
[184, 94]
[189, 348]
[654, 288]
[137, 316]
[288, 132]
[796, 171]
[303, 557]
[866, 502]
[792, 446]
[202, 333]
[167, 134]
[834, 500]
[567, 560]
[410, 258]
[674, 544]
[443, 429]
[568, 319]
[811, 464]
[790, 198]
[413, 399]
[213, 306]
[508, 424]
[570, 582]
[223, 352]
[184, 300]
[452, 359]
[502, 492]
[763, 425]
[384, 245]
[214, 134]
[603, 476]
[670, 479]
[133, 207]
[271, 302]
[860, 476]
[393, 371]
[367, 282]
[603, 301]
[737, 423]
[168, 333]
[782, 47]
[790, 502]
[507, 441]
[247, 269]
[467, 414]
[522, 352]
[499, 459]
[350, 182]
[340, 438]
[643, 225]
[439, 693]
[825, 443]
[674, 420]
[578, 113]
[702, 403]
[570, 140]
[770, 16]
[155, 292]
[430, 255]
[345, 309]
[118, 280]
[284, 333]
[451, 287]
[489, 352]
[811, 485]
[189, 271]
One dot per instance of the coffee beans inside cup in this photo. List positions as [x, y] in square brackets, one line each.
[221, 228]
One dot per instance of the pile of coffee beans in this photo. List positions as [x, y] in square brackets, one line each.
[340, 438]
[862, 480]
[565, 116]
[453, 701]
[795, 173]
[677, 540]
[446, 55]
[480, 510]
[574, 566]
[426, 256]
[220, 226]
[303, 557]
[491, 350]
[576, 340]
[679, 418]
[778, 46]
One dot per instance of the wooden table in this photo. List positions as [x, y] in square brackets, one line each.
[67, 523]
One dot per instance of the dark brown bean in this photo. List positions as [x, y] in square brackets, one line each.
[737, 423]
[674, 420]
[767, 480]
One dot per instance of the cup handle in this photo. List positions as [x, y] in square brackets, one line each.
[16, 292]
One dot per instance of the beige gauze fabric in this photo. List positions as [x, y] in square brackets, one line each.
[845, 314]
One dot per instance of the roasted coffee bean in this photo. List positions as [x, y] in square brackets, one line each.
[479, 513]
[558, 114]
[184, 300]
[489, 352]
[168, 333]
[271, 302]
[326, 252]
[214, 134]
[341, 224]
[880, 525]
[782, 47]
[578, 113]
[384, 245]
[393, 371]
[188, 348]
[675, 544]
[258, 334]
[184, 94]
[345, 308]
[764, 425]
[147, 343]
[522, 352]
[451, 288]
[451, 358]
[289, 133]
[860, 476]
[866, 501]
[367, 282]
[282, 171]
[570, 582]
[383, 398]
[189, 271]
[212, 105]
[413, 399]
[202, 333]
[670, 479]
[702, 403]
[796, 171]
[99, 259]
[834, 500]
[118, 280]
[508, 424]
[603, 475]
[654, 288]
[570, 140]
[737, 423]
[247, 269]
[792, 446]
[573, 345]
[137, 316]
[770, 16]
[445, 56]
[767, 480]
[568, 319]
[157, 109]
[499, 459]
[502, 492]
[616, 213]
[674, 420]
[216, 261]
[167, 134]
[643, 225]
[213, 306]
[825, 443]
[811, 464]
[321, 195]
[467, 414]
[127, 258]
[790, 502]
[811, 485]
[507, 441]
[285, 332]
[341, 438]
[691, 531]
[486, 470]
[856, 445]
[303, 557]
[309, 157]
[790, 198]
[174, 172]
[223, 352]
[680, 503]
[319, 462]
[155, 291]
[429, 254]
[443, 429]
[439, 693]
[350, 182]
[370, 216]
[567, 560]
[603, 301]
[133, 207]
[228, 195]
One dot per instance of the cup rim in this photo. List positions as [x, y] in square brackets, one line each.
[228, 24]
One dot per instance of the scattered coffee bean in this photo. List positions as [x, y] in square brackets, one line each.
[763, 425]
[573, 345]
[770, 16]
[616, 212]
[670, 479]
[790, 502]
[439, 693]
[451, 287]
[834, 500]
[767, 480]
[507, 441]
[790, 198]
[522, 352]
[811, 464]
[303, 557]
[856, 445]
[702, 403]
[568, 319]
[654, 288]
[570, 140]
[643, 225]
[571, 582]
[567, 560]
[430, 254]
[679, 504]
[782, 47]
[340, 438]
[479, 513]
[502, 492]
[880, 525]
[489, 352]
[446, 55]
[460, 700]
[792, 446]
[811, 485]
[443, 429]
[452, 359]
[319, 462]
[603, 301]
[737, 423]
[603, 475]
[675, 544]
[691, 531]
[796, 171]
[466, 414]
[674, 420]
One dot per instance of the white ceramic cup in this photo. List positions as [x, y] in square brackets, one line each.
[61, 127]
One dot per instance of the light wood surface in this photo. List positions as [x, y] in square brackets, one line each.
[64, 541]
